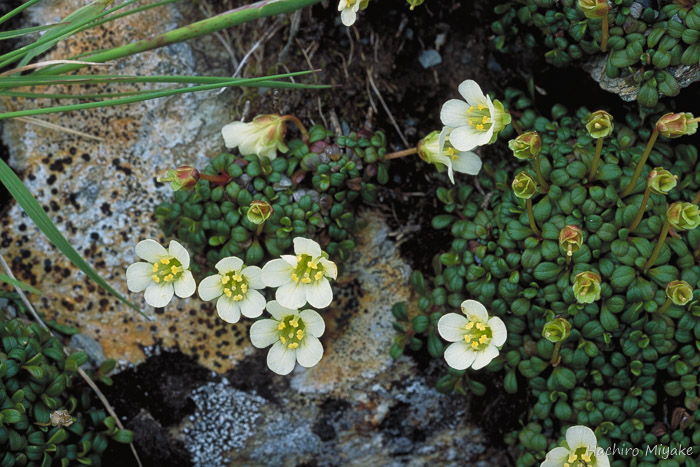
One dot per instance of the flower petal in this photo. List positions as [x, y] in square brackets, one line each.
[185, 286]
[454, 114]
[498, 328]
[159, 295]
[459, 355]
[580, 436]
[306, 246]
[228, 310]
[466, 138]
[319, 295]
[309, 352]
[329, 268]
[467, 163]
[252, 275]
[150, 250]
[264, 333]
[233, 134]
[290, 259]
[348, 17]
[472, 92]
[292, 295]
[228, 264]
[278, 311]
[313, 321]
[281, 359]
[484, 357]
[180, 253]
[475, 311]
[450, 172]
[556, 457]
[210, 288]
[276, 273]
[452, 327]
[252, 304]
[139, 276]
[602, 459]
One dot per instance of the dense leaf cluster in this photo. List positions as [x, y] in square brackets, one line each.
[313, 190]
[629, 368]
[36, 384]
[643, 44]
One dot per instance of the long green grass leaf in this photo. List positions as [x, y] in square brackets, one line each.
[131, 100]
[24, 31]
[18, 10]
[34, 210]
[20, 284]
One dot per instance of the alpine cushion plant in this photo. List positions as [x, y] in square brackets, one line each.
[293, 335]
[235, 289]
[475, 337]
[301, 278]
[164, 272]
[475, 122]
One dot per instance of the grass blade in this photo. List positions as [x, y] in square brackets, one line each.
[24, 31]
[34, 210]
[18, 10]
[20, 284]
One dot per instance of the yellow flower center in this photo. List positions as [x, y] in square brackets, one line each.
[308, 270]
[235, 285]
[291, 331]
[580, 458]
[477, 335]
[451, 152]
[168, 269]
[479, 117]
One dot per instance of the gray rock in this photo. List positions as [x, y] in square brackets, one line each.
[429, 58]
[93, 349]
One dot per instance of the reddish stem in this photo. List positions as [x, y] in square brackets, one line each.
[221, 179]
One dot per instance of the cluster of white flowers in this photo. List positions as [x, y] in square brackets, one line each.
[299, 279]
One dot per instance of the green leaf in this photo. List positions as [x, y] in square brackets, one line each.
[123, 436]
[20, 284]
[11, 416]
[34, 210]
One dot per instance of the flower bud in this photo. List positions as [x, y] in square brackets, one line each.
[679, 292]
[683, 216]
[674, 125]
[262, 137]
[259, 211]
[524, 186]
[571, 239]
[526, 146]
[60, 418]
[182, 178]
[587, 287]
[594, 9]
[661, 181]
[600, 123]
[556, 330]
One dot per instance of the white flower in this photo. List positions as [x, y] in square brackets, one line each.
[262, 137]
[436, 149]
[165, 273]
[348, 11]
[235, 288]
[301, 278]
[475, 338]
[582, 450]
[293, 335]
[476, 121]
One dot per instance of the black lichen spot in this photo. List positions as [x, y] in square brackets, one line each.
[51, 180]
[106, 210]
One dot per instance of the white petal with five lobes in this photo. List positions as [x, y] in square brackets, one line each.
[466, 138]
[252, 304]
[309, 352]
[159, 295]
[264, 333]
[475, 311]
[498, 328]
[454, 114]
[229, 264]
[139, 276]
[452, 327]
[581, 436]
[291, 295]
[320, 294]
[467, 163]
[210, 288]
[305, 246]
[459, 355]
[276, 273]
[484, 357]
[472, 93]
[252, 275]
[278, 311]
[185, 286]
[228, 310]
[281, 359]
[329, 268]
[556, 457]
[314, 322]
[233, 134]
[150, 250]
[180, 253]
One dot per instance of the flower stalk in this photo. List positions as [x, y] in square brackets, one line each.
[640, 164]
[531, 217]
[221, 179]
[398, 154]
[659, 244]
[297, 122]
[596, 158]
[642, 207]
[540, 178]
